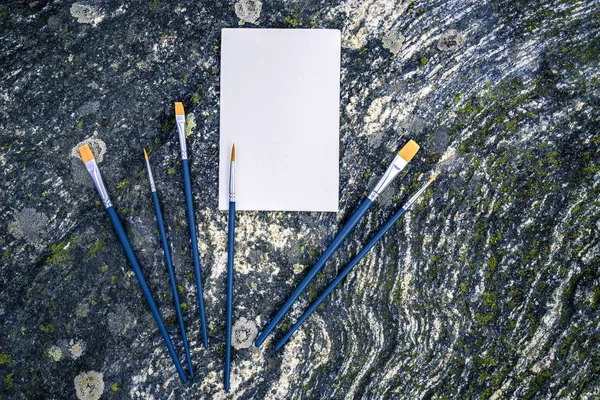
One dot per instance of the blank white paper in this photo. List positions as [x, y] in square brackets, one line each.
[280, 92]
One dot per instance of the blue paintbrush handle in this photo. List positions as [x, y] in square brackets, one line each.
[230, 250]
[138, 273]
[333, 246]
[165, 246]
[187, 185]
[341, 276]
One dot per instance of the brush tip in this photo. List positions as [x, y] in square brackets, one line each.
[179, 109]
[233, 152]
[433, 177]
[409, 150]
[145, 154]
[86, 153]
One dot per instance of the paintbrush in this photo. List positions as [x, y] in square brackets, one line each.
[230, 246]
[165, 246]
[187, 185]
[94, 171]
[355, 261]
[398, 164]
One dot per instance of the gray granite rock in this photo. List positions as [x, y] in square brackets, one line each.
[489, 288]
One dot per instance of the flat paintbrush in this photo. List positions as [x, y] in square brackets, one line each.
[166, 251]
[400, 161]
[187, 186]
[354, 261]
[94, 171]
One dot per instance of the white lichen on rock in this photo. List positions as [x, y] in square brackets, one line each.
[89, 385]
[248, 10]
[190, 124]
[86, 14]
[393, 42]
[366, 19]
[450, 41]
[55, 353]
[298, 268]
[27, 224]
[76, 349]
[244, 333]
[97, 146]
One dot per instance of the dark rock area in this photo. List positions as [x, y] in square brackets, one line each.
[488, 288]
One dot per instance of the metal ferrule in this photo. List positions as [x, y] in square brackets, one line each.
[180, 120]
[232, 181]
[150, 177]
[94, 172]
[393, 170]
[414, 198]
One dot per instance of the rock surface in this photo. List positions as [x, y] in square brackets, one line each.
[488, 288]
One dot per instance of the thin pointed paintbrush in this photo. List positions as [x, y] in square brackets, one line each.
[187, 185]
[230, 243]
[400, 161]
[165, 246]
[92, 167]
[354, 261]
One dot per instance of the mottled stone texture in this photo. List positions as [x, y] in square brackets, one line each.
[489, 288]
